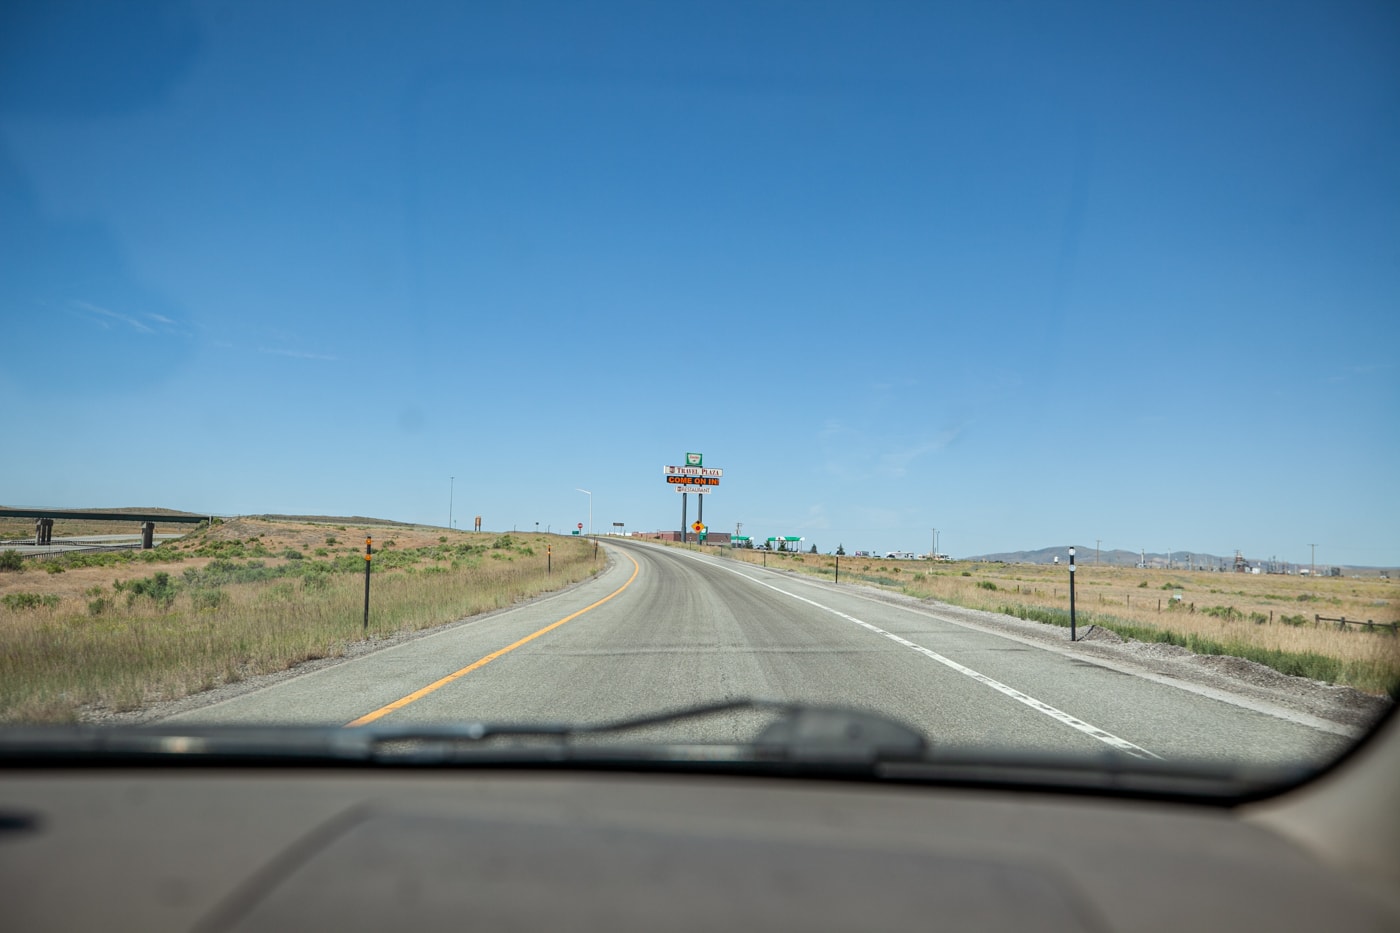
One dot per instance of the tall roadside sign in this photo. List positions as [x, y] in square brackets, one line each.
[694, 477]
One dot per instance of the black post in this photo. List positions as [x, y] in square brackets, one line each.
[699, 514]
[368, 552]
[595, 550]
[683, 498]
[548, 559]
[1071, 594]
[838, 568]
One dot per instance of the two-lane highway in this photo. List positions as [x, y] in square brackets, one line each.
[663, 628]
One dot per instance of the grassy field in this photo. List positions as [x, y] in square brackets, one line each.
[118, 630]
[1265, 618]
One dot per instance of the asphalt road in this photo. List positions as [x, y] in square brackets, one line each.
[663, 628]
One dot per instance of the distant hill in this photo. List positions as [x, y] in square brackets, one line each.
[1114, 558]
[334, 520]
[1120, 558]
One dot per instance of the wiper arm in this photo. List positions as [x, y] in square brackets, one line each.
[801, 733]
[804, 732]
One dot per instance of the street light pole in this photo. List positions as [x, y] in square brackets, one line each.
[451, 488]
[590, 507]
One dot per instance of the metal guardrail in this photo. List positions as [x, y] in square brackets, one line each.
[29, 550]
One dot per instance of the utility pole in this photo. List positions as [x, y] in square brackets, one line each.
[1097, 542]
[1313, 572]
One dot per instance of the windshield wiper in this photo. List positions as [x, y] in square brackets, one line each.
[800, 733]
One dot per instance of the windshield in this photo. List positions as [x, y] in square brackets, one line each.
[1022, 373]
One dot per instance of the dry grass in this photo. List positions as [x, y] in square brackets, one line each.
[231, 605]
[1268, 618]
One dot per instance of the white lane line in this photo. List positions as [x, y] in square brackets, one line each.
[1074, 722]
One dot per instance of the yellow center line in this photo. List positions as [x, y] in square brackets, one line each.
[416, 695]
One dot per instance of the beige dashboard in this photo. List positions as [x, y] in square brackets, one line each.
[285, 849]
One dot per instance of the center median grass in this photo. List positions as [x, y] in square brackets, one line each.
[179, 631]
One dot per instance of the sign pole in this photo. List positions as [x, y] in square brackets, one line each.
[700, 510]
[684, 496]
[369, 551]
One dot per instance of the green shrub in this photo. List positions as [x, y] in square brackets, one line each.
[11, 560]
[29, 600]
[98, 606]
[208, 599]
[223, 572]
[292, 553]
[53, 566]
[160, 589]
[1228, 613]
[1293, 619]
[987, 585]
[967, 573]
[1142, 585]
[1258, 618]
[331, 540]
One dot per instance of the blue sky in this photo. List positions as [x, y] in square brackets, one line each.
[1029, 273]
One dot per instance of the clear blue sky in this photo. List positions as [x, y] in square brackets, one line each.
[1030, 273]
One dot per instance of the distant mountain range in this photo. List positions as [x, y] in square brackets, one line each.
[1121, 558]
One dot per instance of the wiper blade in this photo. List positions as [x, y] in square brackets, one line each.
[800, 733]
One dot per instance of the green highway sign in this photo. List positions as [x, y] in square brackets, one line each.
[694, 460]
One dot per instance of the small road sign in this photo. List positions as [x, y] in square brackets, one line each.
[580, 526]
